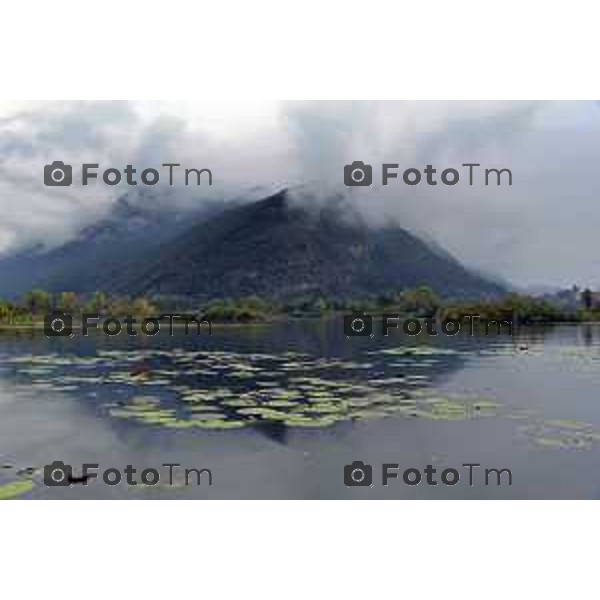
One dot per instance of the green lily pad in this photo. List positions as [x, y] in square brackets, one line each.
[15, 489]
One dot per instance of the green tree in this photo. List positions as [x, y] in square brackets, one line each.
[321, 305]
[118, 306]
[6, 312]
[97, 304]
[37, 302]
[421, 301]
[67, 302]
[143, 308]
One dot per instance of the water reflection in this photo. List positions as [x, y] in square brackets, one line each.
[273, 405]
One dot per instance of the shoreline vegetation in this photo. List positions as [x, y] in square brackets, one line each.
[420, 302]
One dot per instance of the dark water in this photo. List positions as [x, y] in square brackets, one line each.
[278, 411]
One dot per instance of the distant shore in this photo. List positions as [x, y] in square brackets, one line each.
[38, 326]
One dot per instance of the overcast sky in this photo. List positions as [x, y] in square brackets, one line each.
[542, 230]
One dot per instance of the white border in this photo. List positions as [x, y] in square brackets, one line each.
[492, 550]
[298, 50]
[268, 49]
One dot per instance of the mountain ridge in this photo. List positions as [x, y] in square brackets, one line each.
[278, 248]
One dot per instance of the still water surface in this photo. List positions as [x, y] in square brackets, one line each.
[277, 411]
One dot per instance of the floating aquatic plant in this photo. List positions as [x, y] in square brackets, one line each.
[15, 489]
[217, 390]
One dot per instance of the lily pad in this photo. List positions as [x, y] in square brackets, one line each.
[15, 489]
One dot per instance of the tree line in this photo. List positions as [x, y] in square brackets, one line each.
[35, 304]
[421, 301]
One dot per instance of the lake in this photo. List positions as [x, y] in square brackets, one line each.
[278, 411]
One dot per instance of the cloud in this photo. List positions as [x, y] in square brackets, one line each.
[540, 230]
[543, 229]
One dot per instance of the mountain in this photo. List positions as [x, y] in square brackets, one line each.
[20, 271]
[96, 255]
[279, 248]
[276, 247]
